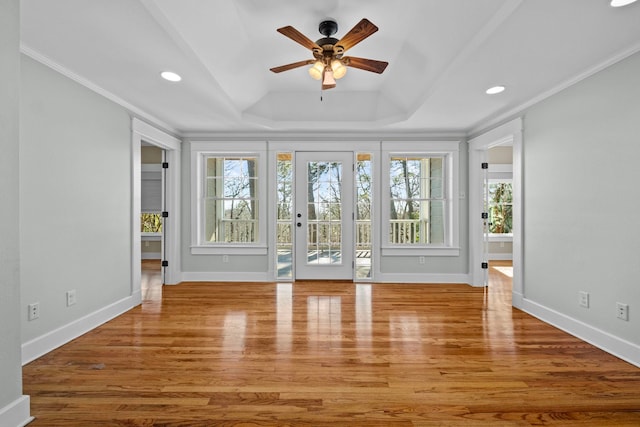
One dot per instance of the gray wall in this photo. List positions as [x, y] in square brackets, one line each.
[75, 199]
[400, 265]
[10, 308]
[582, 202]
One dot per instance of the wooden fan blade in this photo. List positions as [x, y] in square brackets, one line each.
[365, 64]
[292, 66]
[298, 37]
[361, 31]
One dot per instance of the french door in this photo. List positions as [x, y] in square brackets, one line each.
[323, 216]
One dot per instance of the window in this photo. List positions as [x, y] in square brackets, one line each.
[500, 207]
[420, 198]
[151, 198]
[227, 201]
[150, 223]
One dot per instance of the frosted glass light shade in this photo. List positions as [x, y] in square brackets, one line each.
[316, 70]
[339, 70]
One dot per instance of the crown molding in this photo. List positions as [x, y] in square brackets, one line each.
[132, 109]
[314, 136]
[492, 122]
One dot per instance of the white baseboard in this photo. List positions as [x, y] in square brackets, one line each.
[616, 346]
[501, 257]
[212, 276]
[151, 255]
[517, 300]
[422, 278]
[41, 345]
[16, 413]
[225, 276]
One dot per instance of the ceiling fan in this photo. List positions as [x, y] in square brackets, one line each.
[329, 63]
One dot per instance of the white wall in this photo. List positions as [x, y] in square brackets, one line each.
[14, 408]
[582, 203]
[75, 209]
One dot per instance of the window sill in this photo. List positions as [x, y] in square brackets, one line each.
[507, 237]
[420, 251]
[228, 250]
[151, 236]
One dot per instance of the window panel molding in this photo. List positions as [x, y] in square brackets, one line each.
[200, 152]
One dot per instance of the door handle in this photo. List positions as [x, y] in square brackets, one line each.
[299, 224]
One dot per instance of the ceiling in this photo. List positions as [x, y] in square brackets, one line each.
[442, 57]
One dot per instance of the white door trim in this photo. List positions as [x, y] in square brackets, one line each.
[141, 131]
[509, 133]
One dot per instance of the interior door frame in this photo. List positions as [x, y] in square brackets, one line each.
[347, 217]
[509, 133]
[141, 131]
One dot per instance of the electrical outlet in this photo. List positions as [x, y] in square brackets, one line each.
[71, 297]
[225, 258]
[34, 311]
[421, 260]
[622, 311]
[583, 299]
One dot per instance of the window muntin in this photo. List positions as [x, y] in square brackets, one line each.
[418, 206]
[229, 201]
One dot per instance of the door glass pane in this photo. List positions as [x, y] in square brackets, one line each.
[284, 216]
[363, 215]
[324, 231]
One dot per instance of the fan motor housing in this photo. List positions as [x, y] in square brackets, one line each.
[328, 28]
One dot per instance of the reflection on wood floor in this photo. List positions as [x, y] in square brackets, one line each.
[151, 283]
[330, 353]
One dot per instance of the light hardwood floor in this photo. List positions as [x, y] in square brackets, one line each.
[330, 353]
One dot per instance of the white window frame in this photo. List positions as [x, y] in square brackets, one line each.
[199, 151]
[449, 150]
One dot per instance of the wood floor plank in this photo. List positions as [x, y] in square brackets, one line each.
[329, 354]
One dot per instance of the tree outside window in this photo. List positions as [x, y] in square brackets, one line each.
[150, 223]
[500, 207]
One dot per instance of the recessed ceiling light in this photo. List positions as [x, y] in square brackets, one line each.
[494, 90]
[620, 3]
[171, 76]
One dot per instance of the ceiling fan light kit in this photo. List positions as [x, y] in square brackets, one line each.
[329, 64]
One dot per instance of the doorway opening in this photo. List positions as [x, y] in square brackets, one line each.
[152, 206]
[323, 216]
[144, 134]
[507, 135]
